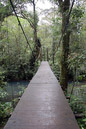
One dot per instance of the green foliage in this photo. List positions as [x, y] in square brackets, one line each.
[55, 69]
[76, 106]
[2, 77]
[5, 11]
[15, 53]
[82, 123]
[76, 16]
[22, 89]
[76, 60]
[77, 12]
[3, 94]
[56, 28]
[5, 109]
[77, 65]
[78, 102]
[79, 108]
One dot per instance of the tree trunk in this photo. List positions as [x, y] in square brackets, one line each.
[33, 58]
[65, 45]
[35, 24]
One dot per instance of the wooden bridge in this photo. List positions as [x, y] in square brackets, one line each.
[43, 105]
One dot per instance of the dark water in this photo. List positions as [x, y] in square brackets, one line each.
[16, 88]
[14, 92]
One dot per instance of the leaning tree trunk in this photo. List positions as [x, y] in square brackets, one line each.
[33, 57]
[35, 22]
[65, 45]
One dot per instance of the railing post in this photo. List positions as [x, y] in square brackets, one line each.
[47, 55]
[43, 53]
[53, 50]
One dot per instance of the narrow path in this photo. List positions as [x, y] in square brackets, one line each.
[43, 105]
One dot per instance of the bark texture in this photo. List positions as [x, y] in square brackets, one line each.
[64, 6]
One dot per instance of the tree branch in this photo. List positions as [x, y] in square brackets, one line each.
[61, 4]
[25, 17]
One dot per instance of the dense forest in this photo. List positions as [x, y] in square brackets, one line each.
[59, 38]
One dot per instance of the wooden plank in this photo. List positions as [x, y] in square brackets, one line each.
[43, 105]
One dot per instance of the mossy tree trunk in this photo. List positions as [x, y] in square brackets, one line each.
[34, 57]
[65, 6]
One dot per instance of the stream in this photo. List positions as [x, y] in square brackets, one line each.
[15, 90]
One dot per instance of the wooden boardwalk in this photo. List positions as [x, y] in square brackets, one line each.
[43, 105]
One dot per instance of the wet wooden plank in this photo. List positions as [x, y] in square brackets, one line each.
[43, 105]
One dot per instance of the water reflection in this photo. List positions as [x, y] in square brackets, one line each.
[15, 91]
